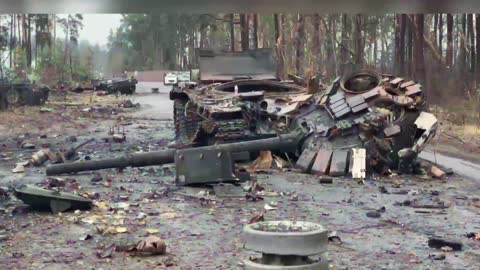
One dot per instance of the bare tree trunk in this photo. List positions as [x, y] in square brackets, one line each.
[477, 26]
[265, 40]
[463, 50]
[471, 41]
[299, 46]
[29, 41]
[24, 28]
[317, 49]
[255, 31]
[19, 26]
[330, 63]
[291, 43]
[12, 30]
[280, 42]
[401, 53]
[435, 30]
[375, 45]
[54, 43]
[276, 26]
[410, 32]
[71, 64]
[203, 39]
[383, 38]
[343, 49]
[449, 55]
[383, 56]
[359, 41]
[191, 49]
[232, 33]
[419, 54]
[332, 37]
[244, 31]
[66, 52]
[396, 62]
[440, 34]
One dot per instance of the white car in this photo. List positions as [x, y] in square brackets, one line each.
[170, 79]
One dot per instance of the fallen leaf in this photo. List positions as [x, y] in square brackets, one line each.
[102, 205]
[269, 207]
[257, 218]
[45, 109]
[168, 215]
[152, 231]
[121, 229]
[90, 219]
[280, 163]
[263, 162]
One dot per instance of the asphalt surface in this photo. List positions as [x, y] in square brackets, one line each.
[156, 105]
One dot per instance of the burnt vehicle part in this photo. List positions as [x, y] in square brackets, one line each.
[213, 110]
[56, 201]
[21, 94]
[287, 142]
[118, 86]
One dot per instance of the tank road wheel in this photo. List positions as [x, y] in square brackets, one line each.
[187, 123]
[13, 97]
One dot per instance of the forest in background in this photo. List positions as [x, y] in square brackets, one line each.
[48, 47]
[440, 50]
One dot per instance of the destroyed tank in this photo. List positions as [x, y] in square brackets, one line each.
[232, 99]
[122, 86]
[239, 105]
[238, 97]
[21, 92]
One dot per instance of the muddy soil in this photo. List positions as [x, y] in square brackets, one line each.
[203, 231]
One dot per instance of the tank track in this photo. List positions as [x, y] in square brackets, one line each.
[187, 123]
[230, 130]
[192, 130]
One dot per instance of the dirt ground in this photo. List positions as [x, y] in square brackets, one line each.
[202, 230]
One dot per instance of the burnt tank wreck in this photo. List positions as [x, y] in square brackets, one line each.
[237, 103]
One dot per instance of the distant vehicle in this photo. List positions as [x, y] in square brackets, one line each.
[170, 79]
[118, 86]
[19, 93]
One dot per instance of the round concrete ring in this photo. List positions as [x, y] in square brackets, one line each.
[311, 241]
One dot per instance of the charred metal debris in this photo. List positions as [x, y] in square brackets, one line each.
[363, 122]
[124, 86]
[24, 93]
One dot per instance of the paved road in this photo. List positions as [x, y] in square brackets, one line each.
[156, 105]
[459, 166]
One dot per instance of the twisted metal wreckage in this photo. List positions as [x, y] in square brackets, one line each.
[239, 105]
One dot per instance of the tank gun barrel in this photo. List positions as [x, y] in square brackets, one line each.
[285, 143]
